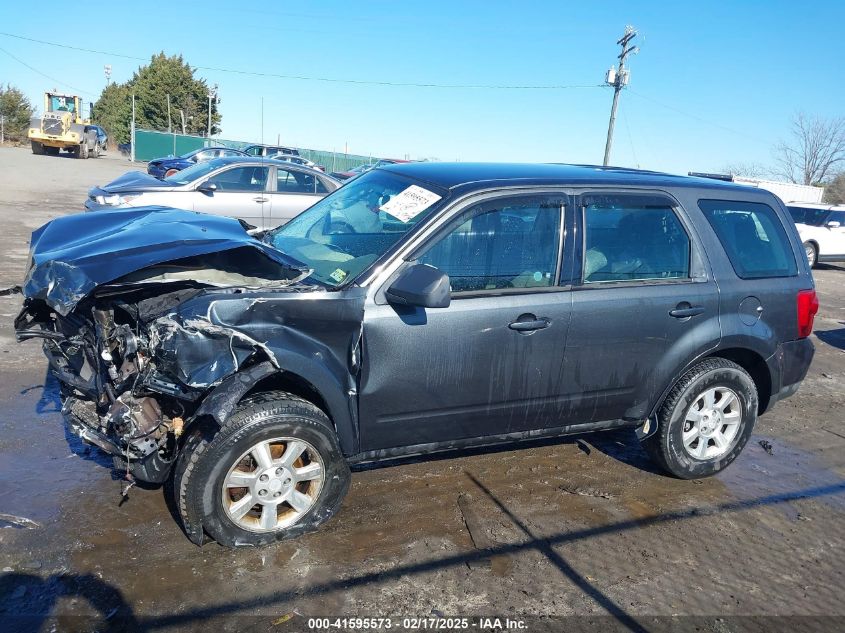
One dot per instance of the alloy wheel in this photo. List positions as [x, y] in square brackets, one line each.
[711, 423]
[273, 484]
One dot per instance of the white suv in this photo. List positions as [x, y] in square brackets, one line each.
[822, 230]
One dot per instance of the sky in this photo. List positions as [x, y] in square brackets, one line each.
[714, 83]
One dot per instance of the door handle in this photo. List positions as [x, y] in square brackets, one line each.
[529, 324]
[685, 310]
[260, 199]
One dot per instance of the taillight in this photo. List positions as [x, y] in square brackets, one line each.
[808, 305]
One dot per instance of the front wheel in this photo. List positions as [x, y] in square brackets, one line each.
[82, 151]
[705, 421]
[37, 148]
[812, 254]
[274, 471]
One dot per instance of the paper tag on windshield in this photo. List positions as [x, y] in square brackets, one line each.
[410, 203]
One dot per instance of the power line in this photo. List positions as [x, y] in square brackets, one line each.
[362, 82]
[35, 70]
[698, 118]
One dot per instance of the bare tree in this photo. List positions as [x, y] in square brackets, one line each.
[816, 147]
[749, 170]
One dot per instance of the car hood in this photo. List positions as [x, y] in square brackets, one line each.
[72, 255]
[136, 181]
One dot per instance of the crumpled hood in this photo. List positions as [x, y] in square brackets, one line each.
[135, 181]
[74, 254]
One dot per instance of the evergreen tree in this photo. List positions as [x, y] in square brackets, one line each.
[16, 111]
[151, 84]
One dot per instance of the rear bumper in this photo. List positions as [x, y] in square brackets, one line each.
[788, 367]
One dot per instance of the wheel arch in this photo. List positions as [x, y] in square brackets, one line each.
[757, 368]
[222, 401]
[750, 360]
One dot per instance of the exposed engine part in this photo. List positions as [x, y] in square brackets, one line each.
[82, 421]
[137, 420]
[177, 425]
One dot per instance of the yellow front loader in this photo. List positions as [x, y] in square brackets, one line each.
[62, 127]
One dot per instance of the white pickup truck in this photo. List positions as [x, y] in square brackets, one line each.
[822, 230]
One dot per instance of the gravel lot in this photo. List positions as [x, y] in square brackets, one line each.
[578, 527]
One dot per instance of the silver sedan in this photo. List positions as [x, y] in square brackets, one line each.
[265, 193]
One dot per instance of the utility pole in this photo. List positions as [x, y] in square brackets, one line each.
[107, 71]
[212, 96]
[618, 79]
[132, 133]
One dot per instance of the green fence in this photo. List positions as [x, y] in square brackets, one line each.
[150, 145]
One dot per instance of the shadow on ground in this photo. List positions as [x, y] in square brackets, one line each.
[27, 601]
[834, 338]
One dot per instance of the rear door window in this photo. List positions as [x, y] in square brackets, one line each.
[633, 238]
[753, 238]
[241, 179]
[294, 182]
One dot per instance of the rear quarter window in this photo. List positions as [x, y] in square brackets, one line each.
[753, 238]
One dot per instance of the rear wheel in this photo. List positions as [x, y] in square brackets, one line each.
[812, 254]
[82, 150]
[705, 421]
[52, 151]
[170, 172]
[37, 148]
[96, 150]
[274, 471]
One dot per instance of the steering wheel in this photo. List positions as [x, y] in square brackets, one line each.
[340, 227]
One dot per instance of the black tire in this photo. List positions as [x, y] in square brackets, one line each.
[812, 252]
[96, 150]
[82, 150]
[207, 457]
[37, 148]
[666, 445]
[51, 151]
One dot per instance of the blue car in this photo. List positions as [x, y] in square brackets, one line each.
[163, 167]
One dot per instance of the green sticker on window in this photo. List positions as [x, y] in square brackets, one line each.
[338, 275]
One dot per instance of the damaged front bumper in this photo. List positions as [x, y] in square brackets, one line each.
[130, 387]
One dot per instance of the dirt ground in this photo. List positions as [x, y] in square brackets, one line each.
[578, 527]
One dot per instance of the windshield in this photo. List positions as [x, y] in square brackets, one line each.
[194, 172]
[340, 236]
[60, 103]
[804, 215]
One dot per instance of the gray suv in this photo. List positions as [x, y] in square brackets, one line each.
[420, 308]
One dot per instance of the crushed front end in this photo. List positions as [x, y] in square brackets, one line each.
[107, 357]
[106, 303]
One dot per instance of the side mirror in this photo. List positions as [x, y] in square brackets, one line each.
[420, 285]
[207, 187]
[833, 224]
